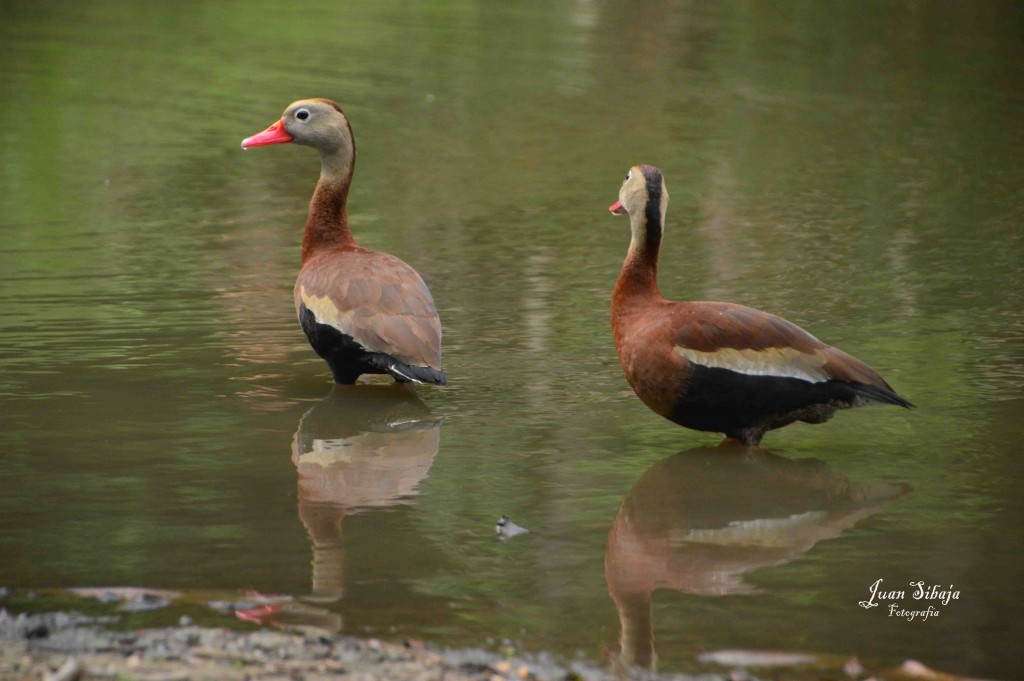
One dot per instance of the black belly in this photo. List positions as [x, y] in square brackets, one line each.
[348, 359]
[724, 401]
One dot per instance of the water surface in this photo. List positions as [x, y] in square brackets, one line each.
[853, 167]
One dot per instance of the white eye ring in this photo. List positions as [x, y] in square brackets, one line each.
[302, 114]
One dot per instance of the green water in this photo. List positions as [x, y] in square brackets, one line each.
[855, 167]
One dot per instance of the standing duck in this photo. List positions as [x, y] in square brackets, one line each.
[721, 367]
[363, 311]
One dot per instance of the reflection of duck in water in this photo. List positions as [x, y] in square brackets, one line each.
[698, 521]
[360, 447]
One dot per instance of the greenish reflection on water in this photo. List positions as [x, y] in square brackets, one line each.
[852, 166]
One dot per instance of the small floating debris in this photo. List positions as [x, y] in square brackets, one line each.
[132, 599]
[756, 658]
[259, 597]
[507, 529]
[253, 599]
[853, 668]
[295, 617]
[915, 670]
[226, 607]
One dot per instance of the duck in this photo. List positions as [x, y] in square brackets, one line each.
[363, 311]
[716, 366]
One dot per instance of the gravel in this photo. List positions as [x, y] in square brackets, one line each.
[67, 646]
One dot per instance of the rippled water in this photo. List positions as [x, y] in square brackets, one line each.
[853, 167]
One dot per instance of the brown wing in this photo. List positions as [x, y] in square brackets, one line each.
[375, 298]
[753, 342]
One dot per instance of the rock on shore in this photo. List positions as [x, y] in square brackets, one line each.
[71, 647]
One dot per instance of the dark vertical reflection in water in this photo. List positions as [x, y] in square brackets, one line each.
[698, 522]
[358, 449]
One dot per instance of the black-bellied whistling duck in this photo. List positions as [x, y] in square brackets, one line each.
[363, 311]
[721, 367]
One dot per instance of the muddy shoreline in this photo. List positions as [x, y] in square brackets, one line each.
[66, 646]
[71, 646]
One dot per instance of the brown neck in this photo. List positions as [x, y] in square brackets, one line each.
[327, 223]
[639, 275]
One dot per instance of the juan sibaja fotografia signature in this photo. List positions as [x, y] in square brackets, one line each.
[932, 594]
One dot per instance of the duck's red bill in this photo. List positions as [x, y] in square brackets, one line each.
[275, 134]
[617, 208]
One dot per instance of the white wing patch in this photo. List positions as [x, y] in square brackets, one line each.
[782, 362]
[325, 312]
[765, 532]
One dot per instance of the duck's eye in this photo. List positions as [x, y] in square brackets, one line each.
[302, 114]
[629, 174]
